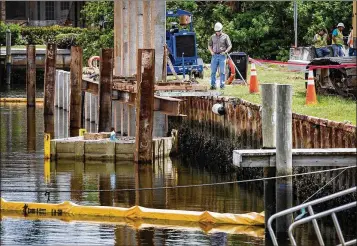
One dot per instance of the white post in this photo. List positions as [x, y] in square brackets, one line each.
[283, 157]
[118, 110]
[56, 89]
[269, 115]
[87, 106]
[269, 141]
[61, 89]
[92, 108]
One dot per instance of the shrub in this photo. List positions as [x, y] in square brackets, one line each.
[66, 40]
[15, 29]
[92, 40]
[43, 35]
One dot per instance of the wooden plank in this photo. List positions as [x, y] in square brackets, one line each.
[144, 105]
[31, 75]
[76, 91]
[105, 90]
[301, 157]
[50, 73]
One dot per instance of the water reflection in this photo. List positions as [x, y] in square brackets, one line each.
[31, 129]
[23, 168]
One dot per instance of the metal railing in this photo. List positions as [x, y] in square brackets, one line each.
[312, 217]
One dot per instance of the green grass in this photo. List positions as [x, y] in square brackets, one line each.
[333, 108]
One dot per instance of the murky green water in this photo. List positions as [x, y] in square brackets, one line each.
[22, 168]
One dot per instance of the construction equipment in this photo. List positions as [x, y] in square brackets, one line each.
[182, 46]
[339, 80]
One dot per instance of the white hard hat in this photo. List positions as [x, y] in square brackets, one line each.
[341, 24]
[218, 27]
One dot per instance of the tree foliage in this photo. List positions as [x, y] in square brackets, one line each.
[264, 29]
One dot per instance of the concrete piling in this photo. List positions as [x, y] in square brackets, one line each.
[87, 106]
[76, 91]
[117, 120]
[31, 75]
[269, 141]
[283, 157]
[118, 12]
[159, 35]
[125, 38]
[92, 108]
[66, 88]
[132, 24]
[50, 72]
[60, 89]
[56, 88]
[105, 90]
[144, 105]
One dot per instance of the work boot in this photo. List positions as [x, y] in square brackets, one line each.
[212, 87]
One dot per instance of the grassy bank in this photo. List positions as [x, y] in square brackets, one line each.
[329, 107]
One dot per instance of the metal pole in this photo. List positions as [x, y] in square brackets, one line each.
[8, 57]
[295, 22]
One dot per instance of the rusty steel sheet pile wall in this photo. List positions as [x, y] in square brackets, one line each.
[242, 124]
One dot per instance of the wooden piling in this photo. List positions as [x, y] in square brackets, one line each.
[283, 157]
[76, 91]
[105, 90]
[50, 73]
[269, 141]
[31, 75]
[144, 105]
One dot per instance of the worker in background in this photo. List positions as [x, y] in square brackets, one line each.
[219, 45]
[337, 40]
[112, 134]
[352, 51]
[320, 43]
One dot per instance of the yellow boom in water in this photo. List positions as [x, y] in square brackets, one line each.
[135, 212]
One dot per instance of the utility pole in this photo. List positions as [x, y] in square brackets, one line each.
[295, 22]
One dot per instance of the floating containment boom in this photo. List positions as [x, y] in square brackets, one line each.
[135, 212]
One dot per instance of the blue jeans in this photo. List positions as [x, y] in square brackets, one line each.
[322, 52]
[215, 61]
[337, 50]
[352, 52]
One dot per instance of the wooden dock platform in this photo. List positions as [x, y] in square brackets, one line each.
[301, 157]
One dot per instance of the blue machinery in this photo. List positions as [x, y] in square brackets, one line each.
[181, 45]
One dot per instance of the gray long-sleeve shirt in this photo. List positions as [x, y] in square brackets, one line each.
[220, 43]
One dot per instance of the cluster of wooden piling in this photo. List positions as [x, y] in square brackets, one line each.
[68, 93]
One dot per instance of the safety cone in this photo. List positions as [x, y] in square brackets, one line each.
[253, 81]
[311, 92]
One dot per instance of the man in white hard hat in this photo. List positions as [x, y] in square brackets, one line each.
[337, 40]
[219, 45]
